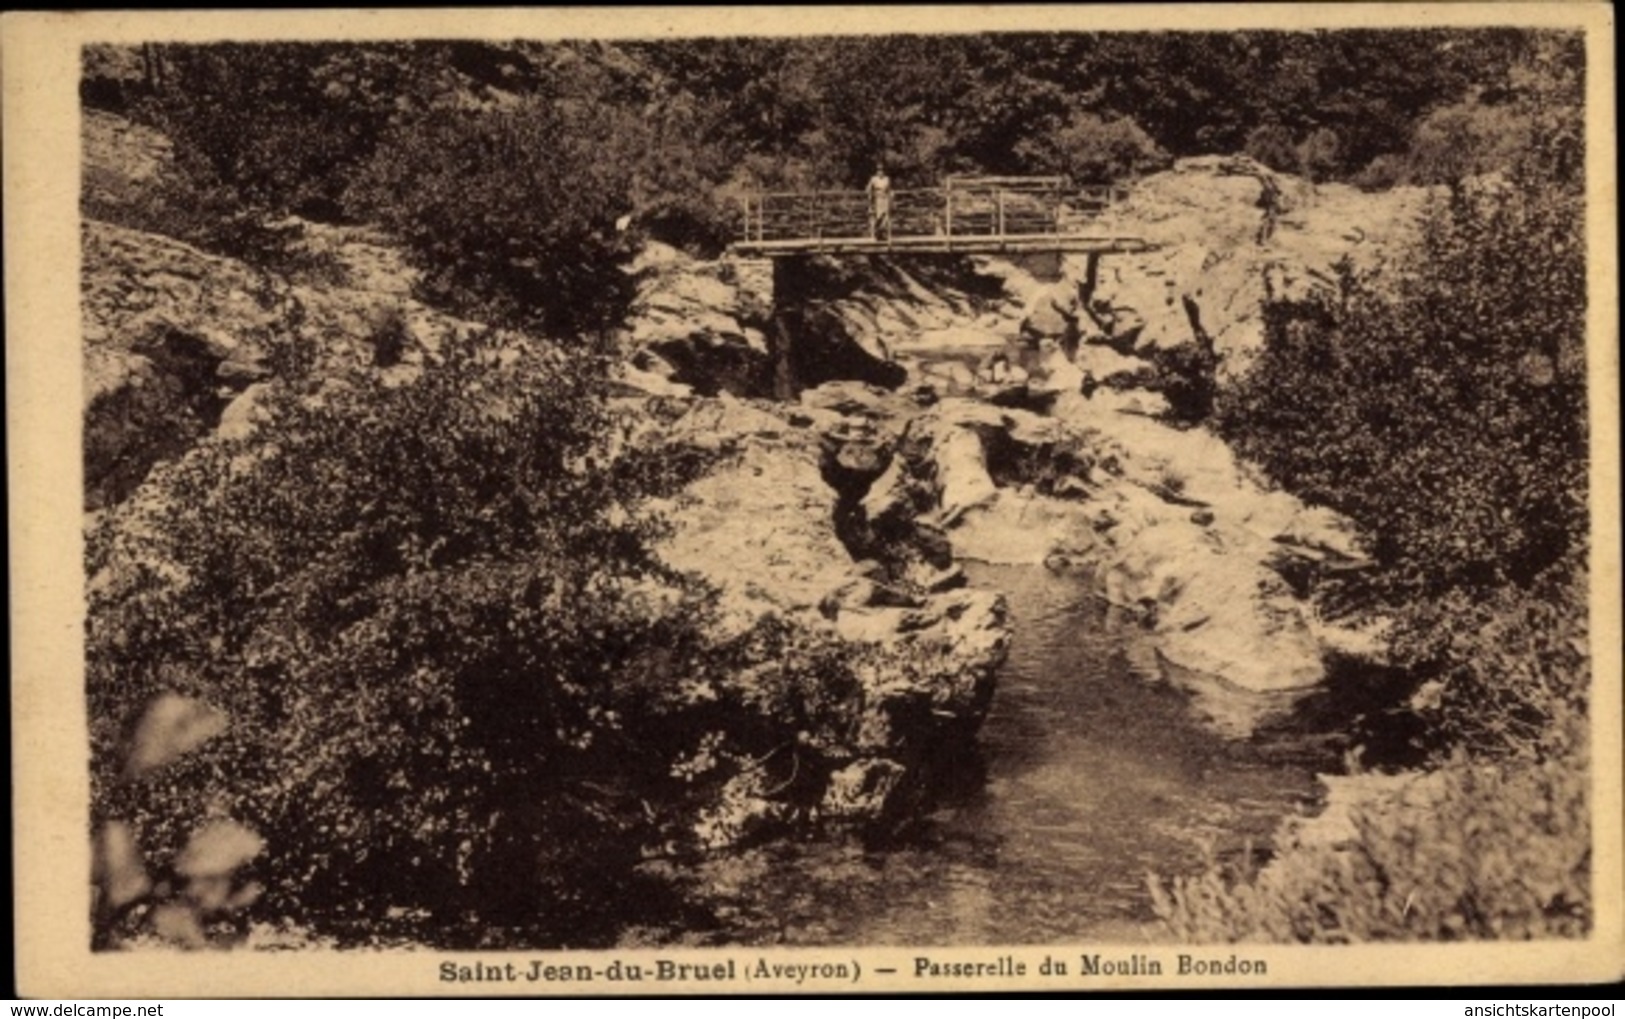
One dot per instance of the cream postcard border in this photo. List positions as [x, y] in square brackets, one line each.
[39, 60]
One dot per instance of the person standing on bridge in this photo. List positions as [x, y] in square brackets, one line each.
[879, 190]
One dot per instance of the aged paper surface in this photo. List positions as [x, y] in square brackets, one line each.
[50, 732]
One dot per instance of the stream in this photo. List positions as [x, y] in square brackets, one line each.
[1087, 777]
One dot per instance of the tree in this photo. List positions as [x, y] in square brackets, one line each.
[430, 612]
[512, 212]
[461, 700]
[277, 124]
[1093, 150]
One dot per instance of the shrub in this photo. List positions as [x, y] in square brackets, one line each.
[678, 192]
[1092, 149]
[1509, 671]
[430, 613]
[1386, 170]
[511, 212]
[1471, 852]
[278, 126]
[1464, 140]
[1442, 406]
[403, 601]
[1186, 375]
[1273, 145]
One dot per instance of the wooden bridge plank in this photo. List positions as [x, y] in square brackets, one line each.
[942, 244]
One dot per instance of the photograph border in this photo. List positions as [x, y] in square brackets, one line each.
[40, 65]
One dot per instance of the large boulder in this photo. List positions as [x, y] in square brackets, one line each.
[937, 675]
[1053, 314]
[760, 524]
[122, 161]
[869, 318]
[850, 398]
[174, 334]
[963, 482]
[968, 338]
[1167, 523]
[1053, 372]
[1021, 527]
[1215, 266]
[134, 416]
[692, 322]
[1214, 613]
[762, 527]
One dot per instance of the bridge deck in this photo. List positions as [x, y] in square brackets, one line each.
[970, 215]
[985, 245]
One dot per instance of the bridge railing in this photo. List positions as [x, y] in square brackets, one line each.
[963, 207]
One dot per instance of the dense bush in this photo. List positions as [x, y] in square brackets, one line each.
[274, 127]
[1274, 146]
[464, 699]
[1442, 406]
[525, 213]
[1094, 150]
[1318, 156]
[1471, 851]
[1508, 670]
[1464, 140]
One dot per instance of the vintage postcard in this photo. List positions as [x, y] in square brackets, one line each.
[830, 501]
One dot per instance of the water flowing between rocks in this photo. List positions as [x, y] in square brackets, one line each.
[1088, 775]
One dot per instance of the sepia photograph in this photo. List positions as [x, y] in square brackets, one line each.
[720, 501]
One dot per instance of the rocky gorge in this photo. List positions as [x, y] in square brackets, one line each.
[1070, 460]
[869, 427]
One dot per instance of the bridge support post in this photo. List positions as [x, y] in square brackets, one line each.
[780, 339]
[1091, 278]
[778, 345]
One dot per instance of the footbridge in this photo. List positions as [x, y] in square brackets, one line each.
[969, 215]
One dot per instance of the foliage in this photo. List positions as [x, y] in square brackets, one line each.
[346, 593]
[1472, 851]
[1383, 172]
[1272, 145]
[682, 163]
[1509, 670]
[276, 126]
[1465, 140]
[1444, 406]
[1317, 156]
[458, 681]
[1186, 375]
[1320, 154]
[511, 212]
[1091, 149]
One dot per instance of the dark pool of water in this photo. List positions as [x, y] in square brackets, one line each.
[1088, 776]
